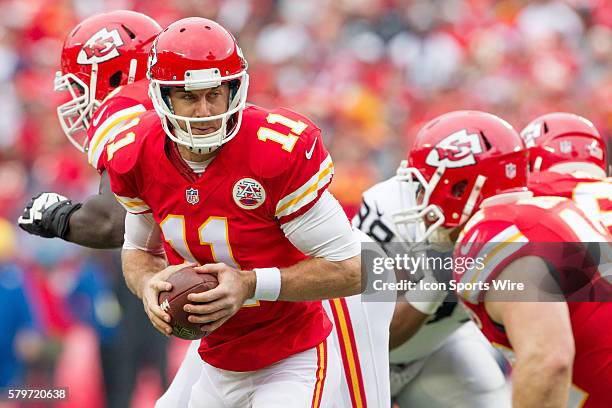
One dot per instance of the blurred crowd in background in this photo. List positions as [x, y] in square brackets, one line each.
[368, 72]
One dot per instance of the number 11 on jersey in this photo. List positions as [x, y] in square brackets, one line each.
[213, 232]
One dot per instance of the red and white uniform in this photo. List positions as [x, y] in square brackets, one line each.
[274, 170]
[509, 231]
[120, 106]
[361, 335]
[592, 195]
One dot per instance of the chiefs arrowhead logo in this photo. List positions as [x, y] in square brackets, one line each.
[152, 58]
[531, 133]
[456, 150]
[102, 46]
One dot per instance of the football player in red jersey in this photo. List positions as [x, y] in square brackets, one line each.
[471, 168]
[568, 159]
[103, 67]
[243, 192]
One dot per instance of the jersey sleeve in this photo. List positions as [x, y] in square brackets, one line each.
[484, 248]
[125, 166]
[305, 172]
[106, 123]
[550, 228]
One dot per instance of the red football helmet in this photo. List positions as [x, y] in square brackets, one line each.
[100, 54]
[197, 53]
[459, 159]
[565, 142]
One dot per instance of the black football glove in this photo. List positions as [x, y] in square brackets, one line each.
[47, 215]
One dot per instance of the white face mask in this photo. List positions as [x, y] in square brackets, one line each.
[201, 79]
[410, 220]
[74, 115]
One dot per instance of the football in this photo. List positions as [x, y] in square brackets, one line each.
[185, 281]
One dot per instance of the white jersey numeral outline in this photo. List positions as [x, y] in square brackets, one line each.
[214, 232]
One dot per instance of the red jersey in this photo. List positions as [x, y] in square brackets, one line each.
[592, 195]
[272, 171]
[121, 105]
[507, 232]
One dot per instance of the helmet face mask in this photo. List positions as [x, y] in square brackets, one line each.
[231, 119]
[198, 54]
[75, 114]
[100, 54]
[416, 223]
[459, 159]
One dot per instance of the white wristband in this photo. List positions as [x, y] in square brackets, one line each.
[268, 283]
[426, 301]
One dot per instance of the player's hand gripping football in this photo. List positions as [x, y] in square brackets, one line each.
[150, 297]
[222, 302]
[47, 215]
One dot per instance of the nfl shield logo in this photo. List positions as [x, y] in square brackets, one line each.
[510, 170]
[565, 146]
[192, 196]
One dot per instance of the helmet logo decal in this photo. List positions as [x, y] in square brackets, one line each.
[531, 133]
[595, 151]
[248, 193]
[456, 150]
[152, 58]
[510, 171]
[565, 146]
[102, 46]
[241, 55]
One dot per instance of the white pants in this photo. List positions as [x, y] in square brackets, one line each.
[365, 366]
[462, 373]
[304, 380]
[179, 392]
[362, 336]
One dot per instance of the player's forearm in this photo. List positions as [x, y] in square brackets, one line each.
[97, 224]
[541, 381]
[318, 278]
[138, 266]
[405, 323]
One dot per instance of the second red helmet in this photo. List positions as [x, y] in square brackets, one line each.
[565, 142]
[101, 53]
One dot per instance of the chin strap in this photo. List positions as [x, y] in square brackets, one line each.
[202, 150]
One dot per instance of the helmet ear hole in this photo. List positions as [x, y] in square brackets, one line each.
[115, 79]
[458, 188]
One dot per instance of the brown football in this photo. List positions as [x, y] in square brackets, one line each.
[185, 281]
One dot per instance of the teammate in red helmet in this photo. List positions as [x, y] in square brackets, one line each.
[103, 67]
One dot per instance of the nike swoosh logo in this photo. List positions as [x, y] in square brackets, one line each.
[98, 116]
[309, 152]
